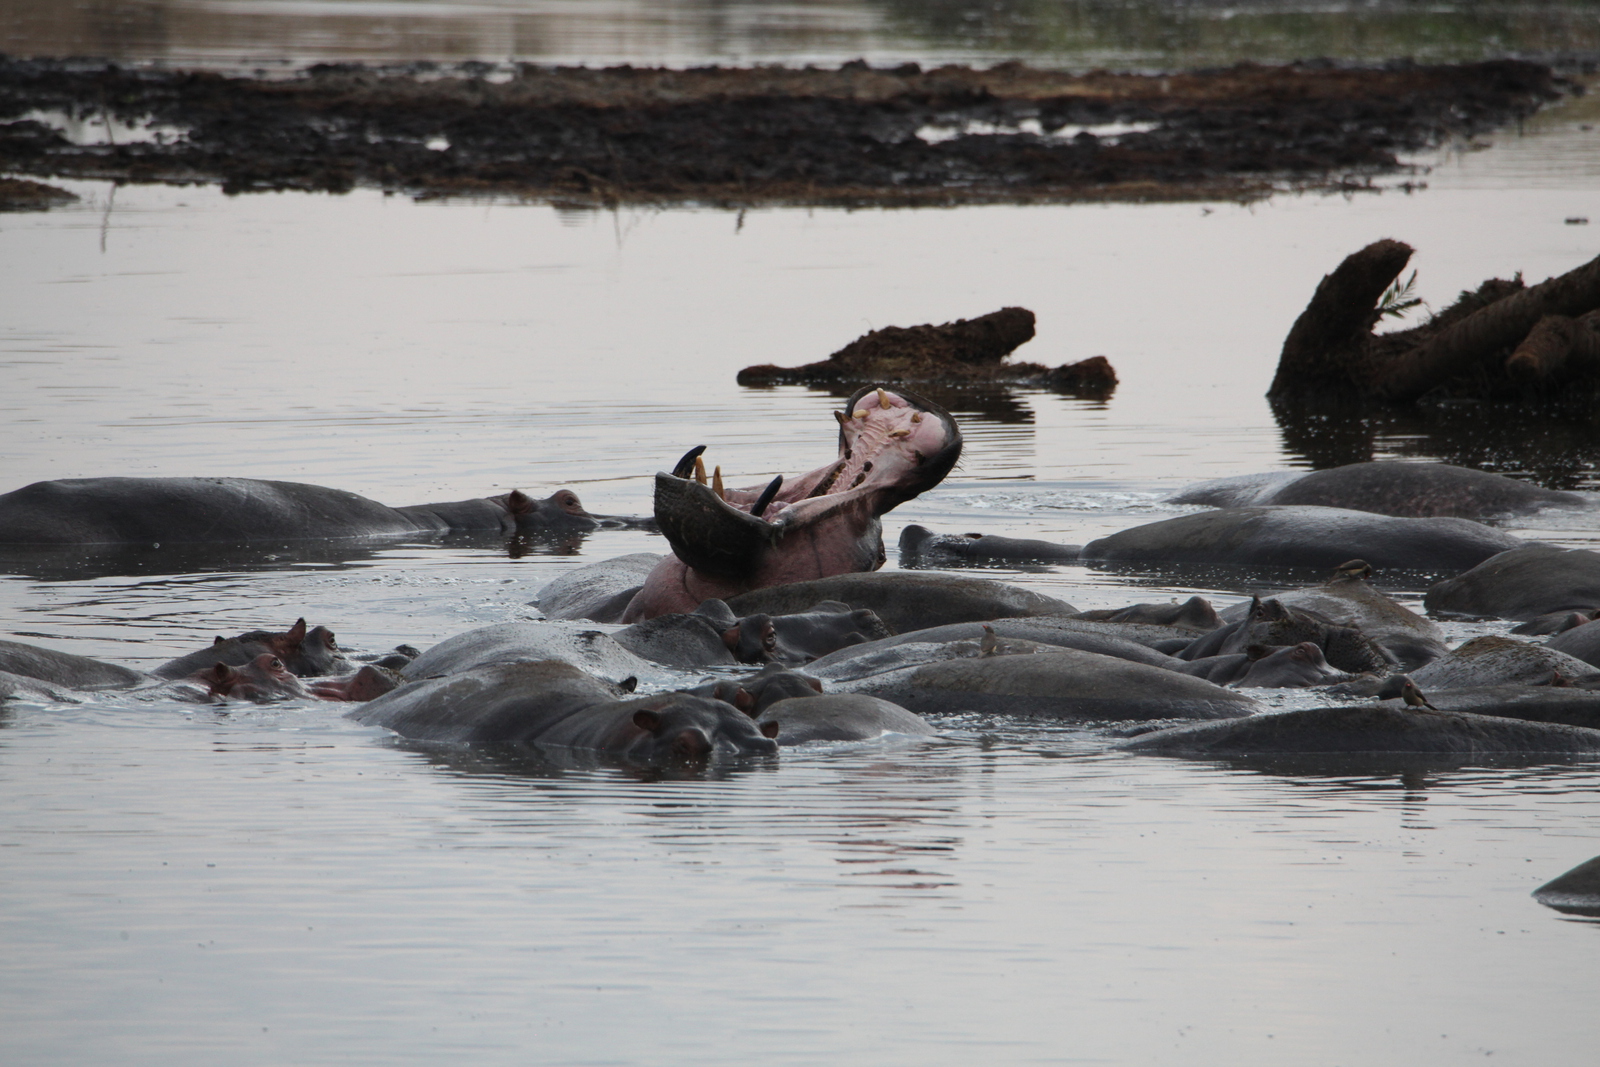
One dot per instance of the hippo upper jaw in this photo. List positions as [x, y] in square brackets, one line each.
[892, 446]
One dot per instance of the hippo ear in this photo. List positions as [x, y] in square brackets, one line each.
[814, 683]
[769, 729]
[745, 701]
[518, 502]
[217, 640]
[222, 672]
[647, 720]
[629, 684]
[297, 632]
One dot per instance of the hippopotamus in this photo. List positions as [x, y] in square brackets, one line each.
[1401, 489]
[921, 547]
[1195, 615]
[100, 511]
[905, 600]
[1554, 622]
[595, 652]
[1271, 624]
[1521, 583]
[1581, 642]
[524, 703]
[1350, 599]
[1064, 683]
[1495, 660]
[892, 446]
[307, 653]
[1576, 892]
[791, 640]
[1298, 666]
[1303, 536]
[1005, 637]
[600, 591]
[64, 668]
[263, 679]
[1367, 729]
[26, 687]
[841, 717]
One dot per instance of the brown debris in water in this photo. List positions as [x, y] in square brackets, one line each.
[964, 352]
[19, 194]
[768, 135]
[1503, 341]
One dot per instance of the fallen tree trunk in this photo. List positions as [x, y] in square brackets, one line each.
[1502, 341]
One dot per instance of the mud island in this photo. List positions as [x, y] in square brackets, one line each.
[769, 135]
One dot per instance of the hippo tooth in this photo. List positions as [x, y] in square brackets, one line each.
[916, 416]
[685, 464]
[700, 470]
[766, 496]
[899, 433]
[861, 413]
[716, 483]
[883, 400]
[844, 420]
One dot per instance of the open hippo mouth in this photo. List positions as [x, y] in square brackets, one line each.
[893, 445]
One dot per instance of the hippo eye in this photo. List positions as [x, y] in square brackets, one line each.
[275, 665]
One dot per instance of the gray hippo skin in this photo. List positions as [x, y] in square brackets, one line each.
[1293, 667]
[921, 547]
[1271, 624]
[1523, 583]
[1047, 632]
[841, 717]
[1577, 892]
[84, 511]
[1405, 490]
[599, 592]
[1314, 537]
[1369, 729]
[1352, 600]
[1580, 642]
[531, 704]
[24, 687]
[893, 445]
[64, 669]
[1496, 660]
[1064, 684]
[595, 652]
[308, 653]
[1195, 615]
[1531, 703]
[905, 600]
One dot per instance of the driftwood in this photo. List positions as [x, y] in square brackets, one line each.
[964, 352]
[1503, 341]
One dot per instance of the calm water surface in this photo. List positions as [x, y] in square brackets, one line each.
[184, 885]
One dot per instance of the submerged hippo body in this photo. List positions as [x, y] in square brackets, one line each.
[1522, 583]
[1310, 537]
[905, 600]
[1060, 684]
[595, 652]
[64, 668]
[841, 717]
[101, 511]
[893, 445]
[1369, 729]
[1401, 489]
[533, 704]
[921, 547]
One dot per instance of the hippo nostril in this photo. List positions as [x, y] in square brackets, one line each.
[692, 742]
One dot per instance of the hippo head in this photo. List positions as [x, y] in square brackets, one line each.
[263, 679]
[308, 652]
[683, 727]
[893, 445]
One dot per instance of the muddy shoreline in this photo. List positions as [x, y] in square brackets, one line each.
[736, 137]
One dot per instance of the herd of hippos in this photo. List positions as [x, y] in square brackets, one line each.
[762, 582]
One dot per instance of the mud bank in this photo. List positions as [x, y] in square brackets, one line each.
[849, 136]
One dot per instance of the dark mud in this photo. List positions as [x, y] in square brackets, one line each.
[964, 352]
[19, 194]
[769, 135]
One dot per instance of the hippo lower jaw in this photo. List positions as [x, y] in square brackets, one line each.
[893, 445]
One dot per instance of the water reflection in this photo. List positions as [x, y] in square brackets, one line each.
[1413, 773]
[1083, 33]
[1556, 444]
[76, 562]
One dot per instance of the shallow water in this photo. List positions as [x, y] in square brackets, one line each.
[277, 885]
